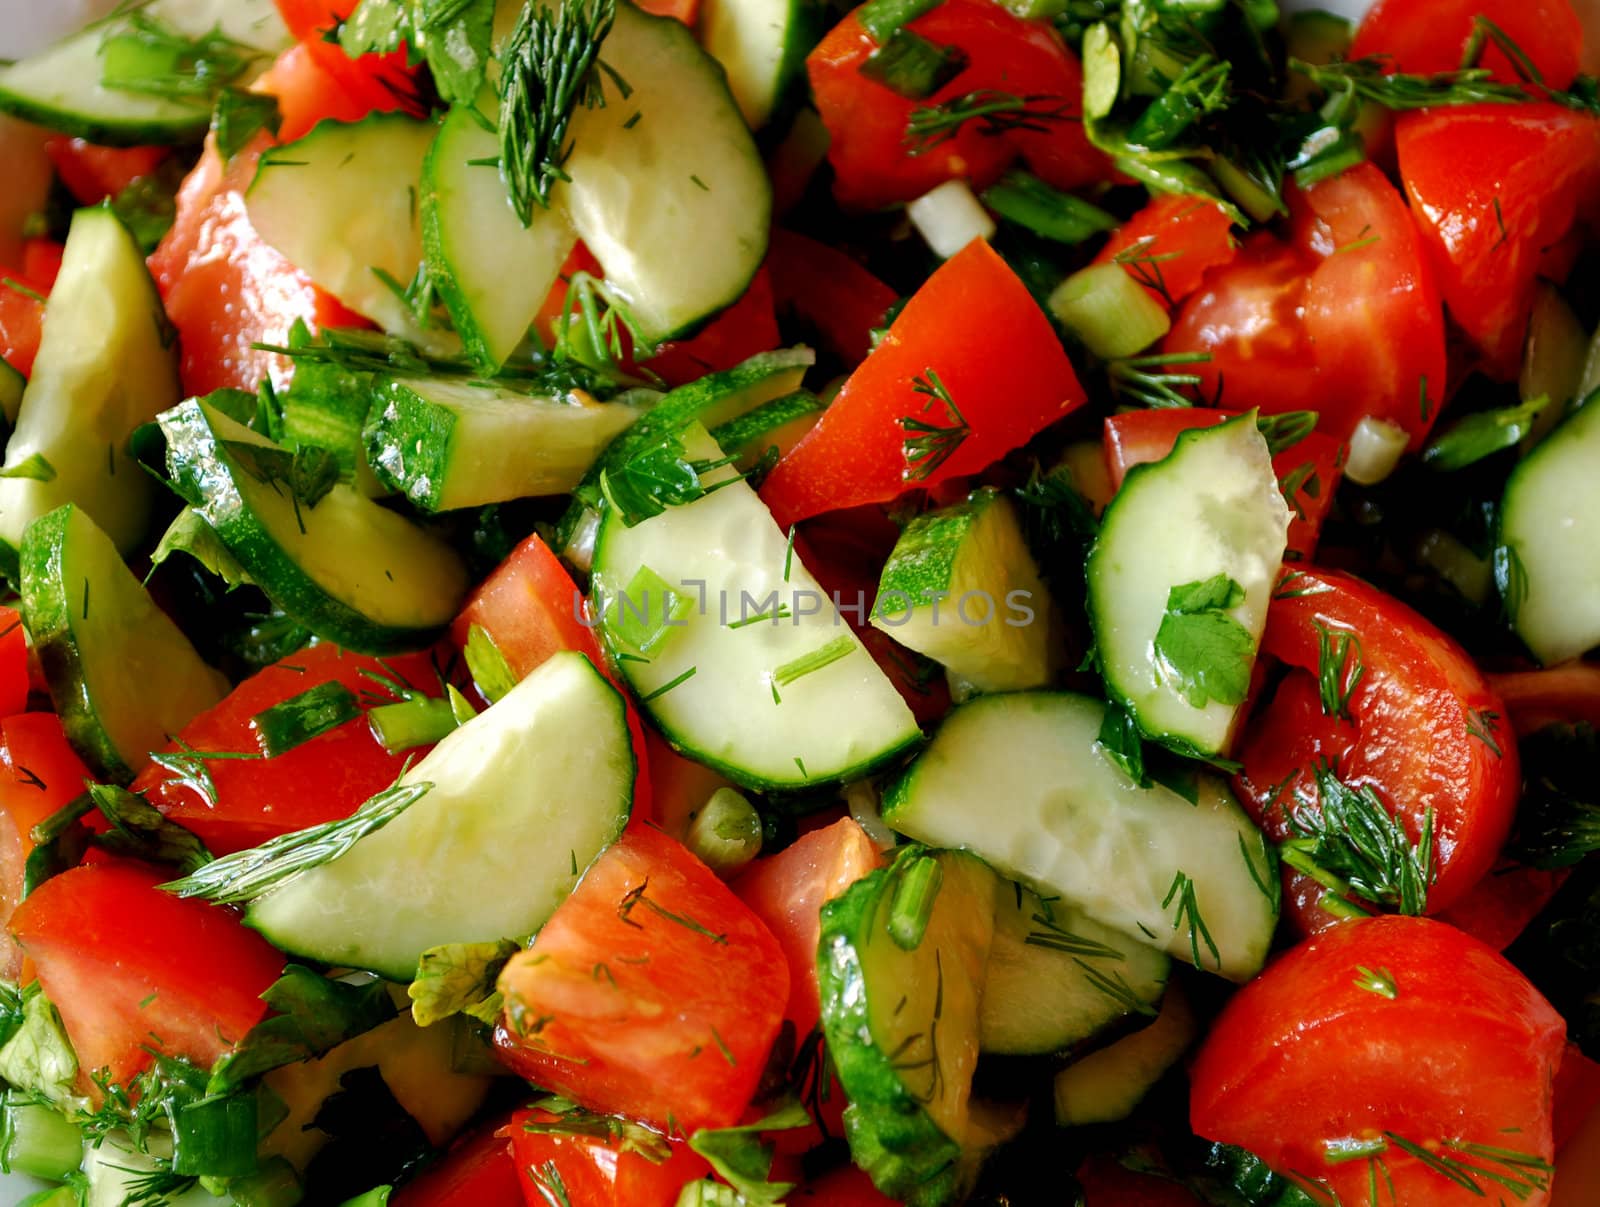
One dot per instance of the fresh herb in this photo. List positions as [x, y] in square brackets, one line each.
[1121, 742]
[138, 829]
[313, 1014]
[743, 1157]
[677, 681]
[918, 877]
[1371, 80]
[1024, 199]
[419, 721]
[149, 56]
[189, 770]
[1483, 434]
[1349, 842]
[597, 328]
[1283, 432]
[1203, 87]
[1483, 724]
[881, 18]
[1188, 914]
[913, 66]
[1469, 1165]
[548, 1182]
[246, 875]
[487, 665]
[1340, 668]
[38, 1058]
[1558, 814]
[806, 664]
[1200, 649]
[995, 113]
[547, 71]
[306, 473]
[636, 897]
[16, 286]
[459, 978]
[647, 611]
[572, 1120]
[240, 116]
[419, 296]
[1376, 980]
[1266, 880]
[927, 445]
[1304, 480]
[303, 717]
[656, 477]
[1147, 380]
[148, 206]
[35, 468]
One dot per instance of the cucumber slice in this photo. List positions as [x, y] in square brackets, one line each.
[1056, 976]
[718, 681]
[1550, 528]
[552, 760]
[121, 674]
[1211, 513]
[451, 443]
[61, 87]
[899, 974]
[762, 45]
[714, 400]
[1106, 1086]
[107, 363]
[666, 186]
[492, 273]
[962, 588]
[348, 569]
[341, 205]
[780, 424]
[1076, 826]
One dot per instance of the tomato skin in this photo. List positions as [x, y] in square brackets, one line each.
[21, 322]
[130, 966]
[872, 162]
[316, 81]
[1427, 36]
[13, 663]
[1135, 437]
[1193, 231]
[308, 18]
[1499, 907]
[646, 1037]
[844, 1187]
[1555, 696]
[1492, 187]
[597, 1171]
[41, 262]
[747, 327]
[93, 173]
[828, 289]
[258, 799]
[1466, 1051]
[1410, 735]
[1577, 1093]
[477, 1171]
[1010, 378]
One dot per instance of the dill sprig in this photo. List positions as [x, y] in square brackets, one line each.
[1148, 381]
[547, 72]
[1340, 668]
[995, 112]
[151, 57]
[929, 445]
[1188, 913]
[1368, 79]
[249, 874]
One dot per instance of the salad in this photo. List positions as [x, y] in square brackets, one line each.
[724, 603]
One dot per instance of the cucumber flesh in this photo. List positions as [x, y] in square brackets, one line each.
[1212, 508]
[762, 45]
[1106, 1086]
[666, 186]
[492, 273]
[524, 797]
[772, 429]
[1550, 528]
[962, 588]
[341, 205]
[452, 443]
[1055, 976]
[123, 677]
[61, 87]
[107, 363]
[1076, 827]
[348, 569]
[715, 686]
[900, 1015]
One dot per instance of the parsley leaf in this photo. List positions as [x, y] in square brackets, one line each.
[742, 1157]
[1205, 653]
[459, 978]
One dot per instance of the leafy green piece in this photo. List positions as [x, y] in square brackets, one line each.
[459, 978]
[573, 1120]
[1202, 650]
[1122, 743]
[39, 1058]
[151, 57]
[1558, 815]
[303, 717]
[314, 1015]
[191, 533]
[743, 1158]
[308, 472]
[657, 477]
[141, 831]
[488, 666]
[455, 37]
[1482, 434]
[240, 116]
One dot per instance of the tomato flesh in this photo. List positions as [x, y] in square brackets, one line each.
[662, 1010]
[827, 289]
[478, 1171]
[1171, 244]
[1427, 36]
[131, 967]
[597, 1171]
[1464, 1053]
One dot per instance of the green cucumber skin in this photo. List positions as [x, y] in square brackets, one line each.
[429, 432]
[203, 474]
[47, 614]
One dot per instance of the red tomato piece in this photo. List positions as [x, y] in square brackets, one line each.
[1107, 1184]
[13, 663]
[686, 11]
[844, 1187]
[1493, 186]
[1560, 695]
[1499, 907]
[258, 799]
[787, 892]
[749, 326]
[596, 1171]
[1308, 470]
[226, 289]
[1427, 36]
[21, 320]
[653, 992]
[478, 1171]
[1463, 1054]
[315, 81]
[41, 773]
[1425, 730]
[41, 262]
[131, 967]
[1170, 245]
[93, 173]
[872, 157]
[827, 289]
[679, 786]
[308, 18]
[974, 324]
[1577, 1093]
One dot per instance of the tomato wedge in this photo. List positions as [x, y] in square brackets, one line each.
[1499, 907]
[1170, 245]
[479, 1170]
[1393, 1040]
[131, 968]
[251, 800]
[974, 325]
[749, 326]
[1492, 187]
[653, 992]
[828, 290]
[604, 1170]
[21, 319]
[1558, 695]
[92, 174]
[1426, 36]
[1417, 723]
